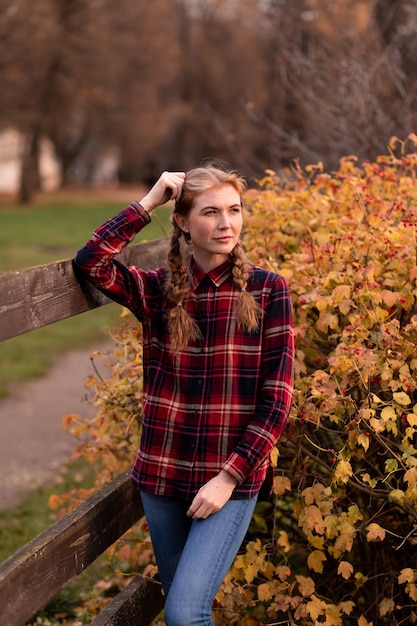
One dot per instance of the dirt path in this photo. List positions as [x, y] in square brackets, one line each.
[33, 443]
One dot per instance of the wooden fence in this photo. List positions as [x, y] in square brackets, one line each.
[30, 299]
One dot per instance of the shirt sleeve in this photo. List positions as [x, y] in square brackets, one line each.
[272, 410]
[96, 260]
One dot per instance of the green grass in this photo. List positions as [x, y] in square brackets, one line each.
[33, 515]
[55, 229]
[52, 230]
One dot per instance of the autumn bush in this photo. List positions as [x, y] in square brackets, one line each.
[336, 544]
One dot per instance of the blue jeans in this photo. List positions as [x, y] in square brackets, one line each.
[194, 556]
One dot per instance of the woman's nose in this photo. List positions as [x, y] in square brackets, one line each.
[224, 221]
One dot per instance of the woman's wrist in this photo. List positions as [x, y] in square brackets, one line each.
[146, 204]
[227, 478]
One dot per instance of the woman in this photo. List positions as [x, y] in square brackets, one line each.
[218, 378]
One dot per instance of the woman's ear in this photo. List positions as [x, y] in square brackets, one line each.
[181, 221]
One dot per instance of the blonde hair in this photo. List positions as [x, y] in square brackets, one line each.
[182, 328]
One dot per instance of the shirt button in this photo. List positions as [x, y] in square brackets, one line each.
[199, 382]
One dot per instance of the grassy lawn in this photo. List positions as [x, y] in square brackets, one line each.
[50, 230]
[33, 515]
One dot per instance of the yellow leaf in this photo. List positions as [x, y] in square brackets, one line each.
[377, 424]
[343, 543]
[389, 297]
[362, 621]
[401, 398]
[391, 465]
[326, 321]
[251, 571]
[316, 542]
[375, 533]
[412, 419]
[360, 580]
[347, 606]
[378, 315]
[266, 591]
[343, 471]
[341, 293]
[313, 519]
[322, 302]
[346, 306]
[283, 541]
[283, 572]
[357, 213]
[315, 561]
[281, 485]
[396, 496]
[367, 479]
[345, 569]
[406, 575]
[411, 589]
[411, 477]
[386, 606]
[363, 441]
[388, 413]
[305, 585]
[274, 454]
[316, 607]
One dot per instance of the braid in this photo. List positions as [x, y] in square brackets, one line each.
[248, 311]
[181, 326]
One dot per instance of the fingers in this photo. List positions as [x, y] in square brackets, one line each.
[212, 496]
[168, 187]
[199, 509]
[172, 183]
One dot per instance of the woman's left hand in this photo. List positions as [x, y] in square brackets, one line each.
[212, 496]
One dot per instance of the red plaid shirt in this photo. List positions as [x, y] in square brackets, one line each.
[223, 402]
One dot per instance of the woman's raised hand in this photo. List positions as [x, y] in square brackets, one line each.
[168, 187]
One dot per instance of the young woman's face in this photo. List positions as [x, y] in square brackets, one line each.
[214, 224]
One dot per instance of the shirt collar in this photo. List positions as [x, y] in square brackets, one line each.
[217, 275]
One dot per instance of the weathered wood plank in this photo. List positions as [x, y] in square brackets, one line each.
[137, 605]
[38, 570]
[38, 296]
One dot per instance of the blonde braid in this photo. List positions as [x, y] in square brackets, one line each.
[181, 327]
[248, 311]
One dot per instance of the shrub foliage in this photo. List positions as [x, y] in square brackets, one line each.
[337, 542]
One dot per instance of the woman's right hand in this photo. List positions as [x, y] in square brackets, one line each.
[168, 187]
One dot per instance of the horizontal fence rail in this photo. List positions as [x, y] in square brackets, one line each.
[29, 578]
[41, 568]
[35, 297]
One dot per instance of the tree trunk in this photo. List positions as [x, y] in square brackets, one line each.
[30, 180]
